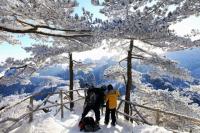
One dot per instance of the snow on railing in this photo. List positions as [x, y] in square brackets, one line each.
[62, 94]
[138, 117]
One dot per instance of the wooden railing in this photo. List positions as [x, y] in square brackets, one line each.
[42, 106]
[65, 95]
[141, 118]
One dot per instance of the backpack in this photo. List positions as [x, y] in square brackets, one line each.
[87, 124]
[91, 98]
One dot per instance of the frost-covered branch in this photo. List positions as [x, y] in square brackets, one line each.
[118, 73]
[16, 74]
[167, 67]
[47, 18]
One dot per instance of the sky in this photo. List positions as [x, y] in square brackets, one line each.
[16, 51]
[89, 7]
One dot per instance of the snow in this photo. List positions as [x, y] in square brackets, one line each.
[150, 129]
[48, 123]
[94, 54]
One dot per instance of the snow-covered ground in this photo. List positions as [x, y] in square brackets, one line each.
[69, 124]
[48, 123]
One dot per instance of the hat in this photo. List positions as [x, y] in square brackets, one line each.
[110, 87]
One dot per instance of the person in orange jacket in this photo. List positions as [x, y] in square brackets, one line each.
[111, 104]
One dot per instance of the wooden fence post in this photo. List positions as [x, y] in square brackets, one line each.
[118, 108]
[31, 110]
[85, 92]
[61, 104]
[157, 118]
[131, 113]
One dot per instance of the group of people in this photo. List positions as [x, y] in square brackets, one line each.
[98, 98]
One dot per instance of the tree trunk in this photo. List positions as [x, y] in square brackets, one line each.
[61, 106]
[71, 78]
[129, 79]
[31, 109]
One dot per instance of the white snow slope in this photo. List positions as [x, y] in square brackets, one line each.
[51, 124]
[48, 123]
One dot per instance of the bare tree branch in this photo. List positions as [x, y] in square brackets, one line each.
[35, 31]
[122, 60]
[57, 29]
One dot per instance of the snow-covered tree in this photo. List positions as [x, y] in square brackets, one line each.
[149, 22]
[44, 56]
[15, 71]
[41, 20]
[51, 24]
[129, 21]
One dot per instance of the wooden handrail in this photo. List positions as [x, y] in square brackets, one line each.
[131, 117]
[57, 92]
[35, 94]
[38, 107]
[54, 105]
[11, 106]
[62, 105]
[197, 121]
[31, 112]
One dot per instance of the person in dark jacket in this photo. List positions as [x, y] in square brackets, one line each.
[92, 102]
[102, 97]
[111, 104]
